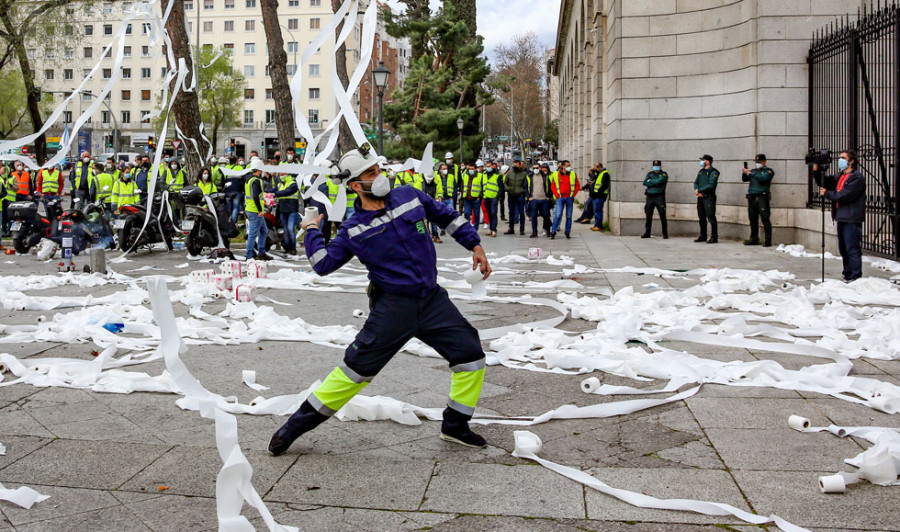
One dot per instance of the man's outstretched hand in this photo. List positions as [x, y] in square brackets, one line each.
[480, 262]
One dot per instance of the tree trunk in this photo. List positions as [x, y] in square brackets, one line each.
[281, 87]
[33, 107]
[345, 140]
[186, 106]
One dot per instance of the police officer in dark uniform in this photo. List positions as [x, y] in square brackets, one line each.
[705, 189]
[656, 182]
[388, 233]
[758, 201]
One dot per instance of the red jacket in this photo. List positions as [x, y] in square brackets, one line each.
[564, 185]
[40, 181]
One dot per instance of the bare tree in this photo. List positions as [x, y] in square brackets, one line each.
[19, 21]
[281, 87]
[517, 83]
[345, 140]
[186, 106]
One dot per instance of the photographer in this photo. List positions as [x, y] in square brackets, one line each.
[847, 191]
[758, 200]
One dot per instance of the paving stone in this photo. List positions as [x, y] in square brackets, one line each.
[84, 464]
[847, 414]
[338, 480]
[114, 519]
[757, 413]
[781, 449]
[174, 513]
[63, 502]
[465, 523]
[704, 485]
[19, 446]
[330, 519]
[512, 490]
[200, 479]
[863, 506]
[18, 422]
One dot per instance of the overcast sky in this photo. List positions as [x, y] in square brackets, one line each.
[500, 20]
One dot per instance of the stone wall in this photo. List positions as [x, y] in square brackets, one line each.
[687, 77]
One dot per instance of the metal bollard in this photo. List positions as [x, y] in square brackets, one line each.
[98, 260]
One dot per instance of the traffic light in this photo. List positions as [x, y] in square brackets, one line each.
[151, 143]
[231, 143]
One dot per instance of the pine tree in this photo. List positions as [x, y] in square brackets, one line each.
[444, 83]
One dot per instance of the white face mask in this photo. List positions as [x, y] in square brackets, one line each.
[174, 166]
[381, 186]
[290, 157]
[758, 166]
[536, 171]
[86, 159]
[205, 177]
[19, 167]
[443, 172]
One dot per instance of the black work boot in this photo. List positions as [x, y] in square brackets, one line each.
[701, 238]
[751, 242]
[304, 420]
[455, 429]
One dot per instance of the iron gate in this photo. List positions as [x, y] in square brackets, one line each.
[854, 102]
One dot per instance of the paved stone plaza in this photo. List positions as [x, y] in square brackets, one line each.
[137, 462]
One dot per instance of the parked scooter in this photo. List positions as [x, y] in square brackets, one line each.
[159, 228]
[87, 228]
[200, 223]
[28, 226]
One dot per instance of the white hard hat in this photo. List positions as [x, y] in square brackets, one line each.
[223, 160]
[479, 162]
[255, 164]
[357, 163]
[504, 169]
[448, 155]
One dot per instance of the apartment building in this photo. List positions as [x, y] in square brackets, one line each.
[235, 25]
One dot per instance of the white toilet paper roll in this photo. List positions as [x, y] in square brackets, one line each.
[590, 385]
[798, 423]
[41, 319]
[832, 484]
[3, 368]
[310, 214]
[576, 314]
[359, 314]
[473, 276]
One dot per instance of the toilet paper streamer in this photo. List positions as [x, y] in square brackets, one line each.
[528, 444]
[249, 378]
[22, 496]
[879, 464]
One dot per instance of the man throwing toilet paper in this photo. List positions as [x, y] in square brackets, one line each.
[388, 233]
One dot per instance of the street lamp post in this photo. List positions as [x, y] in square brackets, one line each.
[459, 125]
[380, 75]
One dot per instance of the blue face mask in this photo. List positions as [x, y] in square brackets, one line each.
[843, 164]
[656, 169]
[702, 163]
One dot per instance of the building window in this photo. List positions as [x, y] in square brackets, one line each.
[293, 47]
[270, 116]
[107, 29]
[293, 23]
[126, 73]
[145, 95]
[85, 72]
[250, 48]
[249, 25]
[209, 4]
[126, 117]
[67, 117]
[69, 53]
[207, 26]
[89, 29]
[313, 94]
[128, 30]
[314, 23]
[229, 25]
[251, 3]
[188, 6]
[107, 8]
[107, 73]
[86, 96]
[230, 47]
[248, 117]
[293, 3]
[145, 51]
[126, 96]
[313, 70]
[291, 70]
[315, 3]
[48, 74]
[190, 27]
[68, 74]
[50, 53]
[249, 71]
[145, 28]
[163, 71]
[145, 117]
[68, 30]
[313, 116]
[249, 94]
[126, 51]
[145, 73]
[229, 4]
[269, 94]
[105, 117]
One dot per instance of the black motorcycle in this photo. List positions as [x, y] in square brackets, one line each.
[80, 229]
[200, 223]
[28, 226]
[131, 221]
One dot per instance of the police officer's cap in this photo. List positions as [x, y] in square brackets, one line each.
[760, 157]
[707, 158]
[358, 161]
[657, 163]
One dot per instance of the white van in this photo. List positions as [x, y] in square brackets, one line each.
[128, 157]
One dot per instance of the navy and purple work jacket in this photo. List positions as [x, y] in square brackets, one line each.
[393, 243]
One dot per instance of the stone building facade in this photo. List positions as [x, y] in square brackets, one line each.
[676, 79]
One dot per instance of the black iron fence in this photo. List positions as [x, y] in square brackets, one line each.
[854, 103]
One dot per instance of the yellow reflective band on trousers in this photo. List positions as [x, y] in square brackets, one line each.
[465, 389]
[336, 391]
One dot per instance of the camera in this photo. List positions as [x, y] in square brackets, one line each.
[819, 157]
